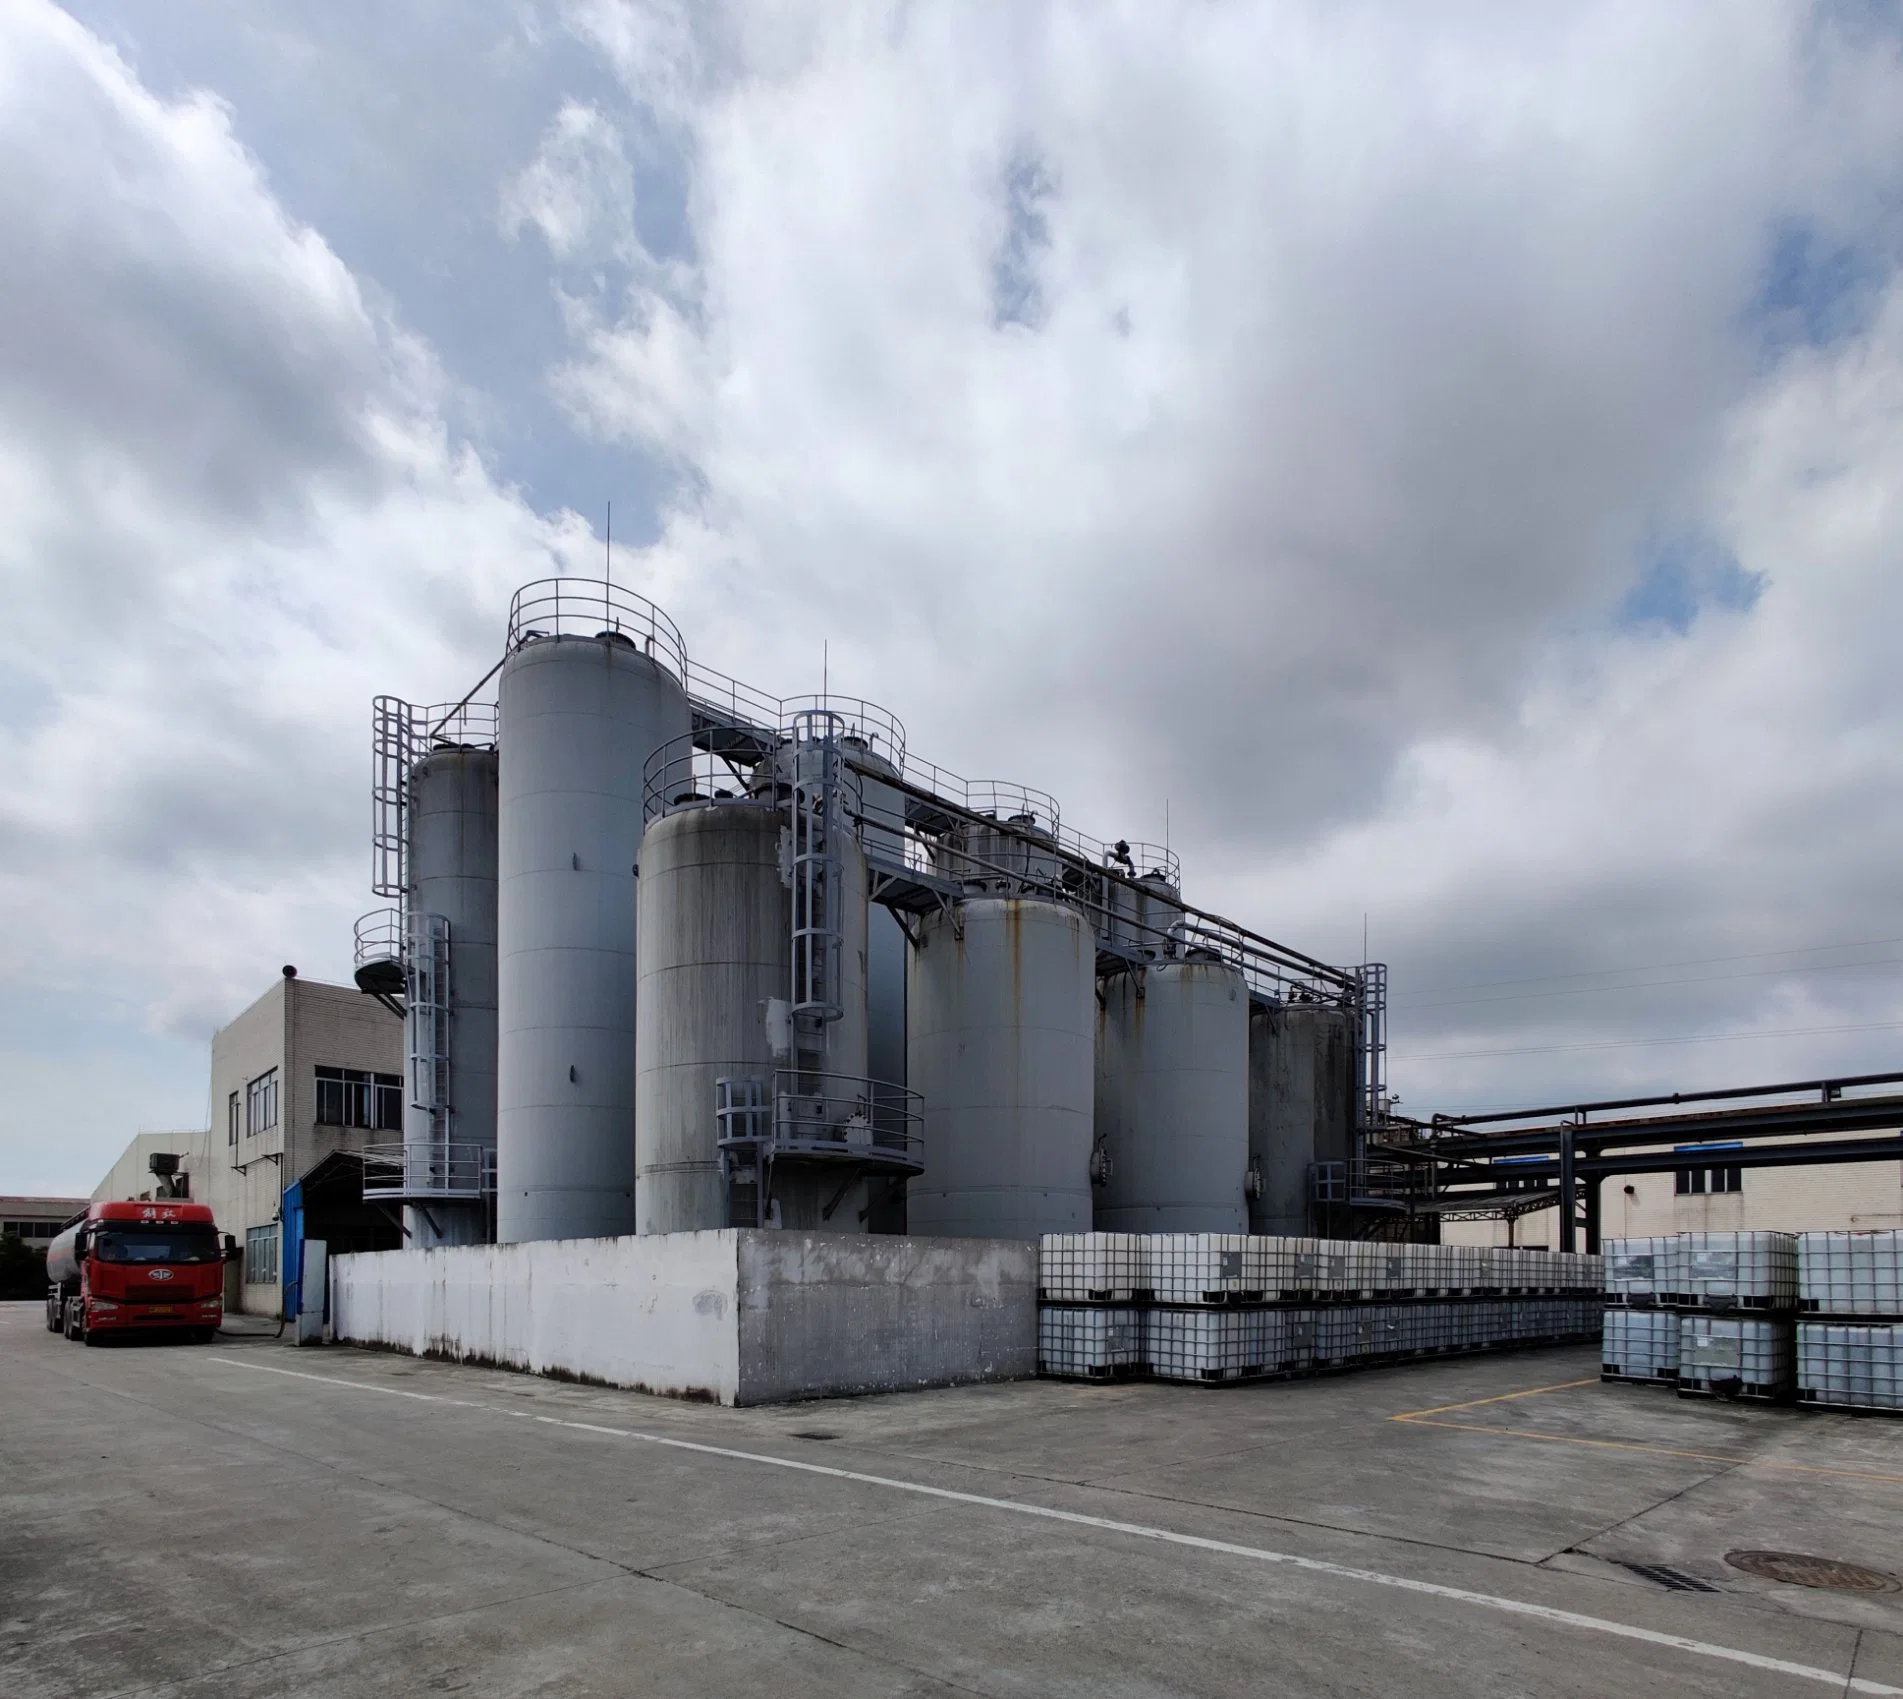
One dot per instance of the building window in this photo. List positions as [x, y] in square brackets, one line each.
[231, 1119]
[261, 1104]
[31, 1229]
[1696, 1182]
[349, 1097]
[261, 1255]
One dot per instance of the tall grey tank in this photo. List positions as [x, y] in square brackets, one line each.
[452, 874]
[1301, 1105]
[587, 693]
[1172, 1107]
[713, 946]
[1002, 999]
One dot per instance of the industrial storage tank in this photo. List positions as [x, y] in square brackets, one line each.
[1172, 1099]
[449, 1116]
[714, 947]
[1001, 1046]
[1139, 892]
[1302, 1092]
[593, 684]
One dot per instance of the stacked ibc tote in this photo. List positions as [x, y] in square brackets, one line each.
[1214, 1307]
[1850, 1321]
[1709, 1313]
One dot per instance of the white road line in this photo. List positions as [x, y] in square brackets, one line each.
[1142, 1531]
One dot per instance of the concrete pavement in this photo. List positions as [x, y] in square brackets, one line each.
[247, 1519]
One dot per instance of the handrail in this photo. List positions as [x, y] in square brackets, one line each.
[403, 1173]
[592, 607]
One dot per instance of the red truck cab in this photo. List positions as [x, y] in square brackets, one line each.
[127, 1266]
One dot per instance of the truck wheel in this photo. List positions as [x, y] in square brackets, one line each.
[54, 1315]
[204, 1335]
[73, 1331]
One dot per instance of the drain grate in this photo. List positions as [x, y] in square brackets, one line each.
[1665, 1576]
[1801, 1571]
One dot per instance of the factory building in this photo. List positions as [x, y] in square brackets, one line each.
[301, 1083]
[159, 1165]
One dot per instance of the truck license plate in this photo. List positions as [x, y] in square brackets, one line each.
[161, 1310]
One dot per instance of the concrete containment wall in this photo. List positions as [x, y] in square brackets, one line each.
[655, 1314]
[743, 1317]
[823, 1314]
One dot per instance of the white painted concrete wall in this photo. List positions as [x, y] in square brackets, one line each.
[656, 1314]
[741, 1316]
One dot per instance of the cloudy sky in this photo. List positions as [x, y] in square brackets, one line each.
[1446, 459]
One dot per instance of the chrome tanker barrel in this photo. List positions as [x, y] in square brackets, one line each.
[1001, 1013]
[449, 1115]
[591, 687]
[1172, 1104]
[1302, 1094]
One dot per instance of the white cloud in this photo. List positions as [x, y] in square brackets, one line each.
[1288, 412]
[234, 514]
[1373, 356]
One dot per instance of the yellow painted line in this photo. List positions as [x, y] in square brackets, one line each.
[1424, 1419]
[1497, 1398]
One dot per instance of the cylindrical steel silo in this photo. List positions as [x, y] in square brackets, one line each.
[588, 692]
[714, 947]
[452, 876]
[1301, 1105]
[1172, 1102]
[1000, 1046]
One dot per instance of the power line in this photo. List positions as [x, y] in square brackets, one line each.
[1644, 1043]
[1652, 984]
[1659, 967]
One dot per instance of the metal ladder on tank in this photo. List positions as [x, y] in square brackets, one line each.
[818, 827]
[751, 1112]
[427, 1030]
[1373, 1045]
[393, 752]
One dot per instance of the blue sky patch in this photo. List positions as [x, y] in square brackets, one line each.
[1684, 574]
[1812, 291]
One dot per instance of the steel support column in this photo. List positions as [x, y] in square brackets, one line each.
[1568, 1202]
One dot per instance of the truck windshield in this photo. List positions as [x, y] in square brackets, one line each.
[155, 1244]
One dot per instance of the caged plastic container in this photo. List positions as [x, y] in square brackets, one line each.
[1204, 1344]
[1277, 1263]
[1730, 1271]
[1089, 1343]
[1633, 1268]
[1850, 1274]
[1640, 1345]
[1851, 1365]
[1735, 1356]
[1320, 1268]
[1202, 1268]
[1089, 1268]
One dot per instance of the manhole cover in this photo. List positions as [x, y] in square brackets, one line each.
[1802, 1571]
